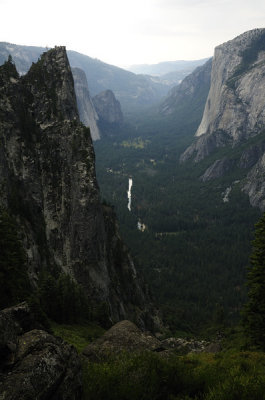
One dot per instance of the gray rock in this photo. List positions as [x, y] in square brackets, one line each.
[217, 169]
[204, 145]
[87, 112]
[124, 336]
[48, 181]
[251, 155]
[239, 110]
[184, 346]
[38, 366]
[234, 110]
[108, 107]
[13, 322]
[254, 185]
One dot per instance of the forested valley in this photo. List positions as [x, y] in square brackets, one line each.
[195, 248]
[169, 307]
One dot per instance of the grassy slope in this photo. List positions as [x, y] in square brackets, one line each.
[232, 374]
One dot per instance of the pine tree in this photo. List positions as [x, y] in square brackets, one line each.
[14, 282]
[254, 311]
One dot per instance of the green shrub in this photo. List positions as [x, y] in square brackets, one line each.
[149, 376]
[77, 335]
[140, 376]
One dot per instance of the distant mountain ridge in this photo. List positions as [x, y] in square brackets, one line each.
[133, 91]
[166, 67]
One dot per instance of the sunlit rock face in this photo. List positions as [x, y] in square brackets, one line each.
[234, 114]
[234, 109]
[87, 112]
[47, 181]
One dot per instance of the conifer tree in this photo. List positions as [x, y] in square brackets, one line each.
[254, 311]
[14, 282]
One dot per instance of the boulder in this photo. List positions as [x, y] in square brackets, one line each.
[123, 336]
[34, 364]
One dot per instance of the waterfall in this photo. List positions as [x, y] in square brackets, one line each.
[129, 193]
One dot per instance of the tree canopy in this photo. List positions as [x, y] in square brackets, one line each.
[254, 312]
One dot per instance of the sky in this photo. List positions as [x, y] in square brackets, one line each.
[126, 32]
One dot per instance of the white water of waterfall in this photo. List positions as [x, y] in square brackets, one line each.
[129, 193]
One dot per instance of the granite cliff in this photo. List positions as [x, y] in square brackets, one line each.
[234, 116]
[48, 182]
[234, 109]
[87, 112]
[108, 109]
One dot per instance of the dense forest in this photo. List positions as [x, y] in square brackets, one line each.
[195, 248]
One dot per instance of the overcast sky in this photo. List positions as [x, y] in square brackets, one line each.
[125, 32]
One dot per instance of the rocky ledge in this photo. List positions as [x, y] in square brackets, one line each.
[33, 363]
[127, 337]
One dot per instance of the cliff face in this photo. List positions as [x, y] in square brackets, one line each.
[254, 185]
[47, 180]
[195, 85]
[108, 107]
[234, 109]
[234, 115]
[87, 112]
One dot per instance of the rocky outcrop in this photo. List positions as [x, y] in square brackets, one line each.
[87, 112]
[34, 364]
[184, 346]
[254, 185]
[205, 145]
[217, 169]
[108, 108]
[47, 181]
[124, 336]
[234, 109]
[251, 155]
[195, 86]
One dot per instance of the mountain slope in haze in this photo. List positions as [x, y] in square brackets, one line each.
[187, 99]
[182, 109]
[166, 67]
[48, 184]
[234, 117]
[133, 91]
[130, 89]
